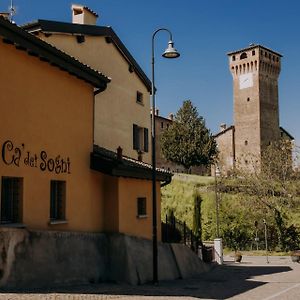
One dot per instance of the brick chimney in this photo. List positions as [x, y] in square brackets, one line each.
[83, 15]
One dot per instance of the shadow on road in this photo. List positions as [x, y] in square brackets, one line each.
[222, 282]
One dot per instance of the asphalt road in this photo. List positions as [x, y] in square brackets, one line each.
[252, 279]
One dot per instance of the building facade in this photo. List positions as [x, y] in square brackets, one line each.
[68, 162]
[122, 114]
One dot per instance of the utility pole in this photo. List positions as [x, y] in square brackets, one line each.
[217, 204]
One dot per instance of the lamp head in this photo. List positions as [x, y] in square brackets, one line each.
[171, 52]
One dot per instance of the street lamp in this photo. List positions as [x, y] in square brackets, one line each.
[266, 239]
[170, 52]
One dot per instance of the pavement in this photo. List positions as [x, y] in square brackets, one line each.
[256, 277]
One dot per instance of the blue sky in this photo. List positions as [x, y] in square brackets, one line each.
[203, 32]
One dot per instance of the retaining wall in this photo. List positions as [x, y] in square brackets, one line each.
[31, 259]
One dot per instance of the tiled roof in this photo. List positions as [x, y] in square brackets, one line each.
[47, 26]
[224, 131]
[107, 162]
[22, 40]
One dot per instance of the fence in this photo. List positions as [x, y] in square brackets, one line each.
[175, 231]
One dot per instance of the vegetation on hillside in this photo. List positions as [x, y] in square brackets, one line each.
[270, 193]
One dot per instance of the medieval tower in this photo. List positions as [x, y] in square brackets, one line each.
[255, 72]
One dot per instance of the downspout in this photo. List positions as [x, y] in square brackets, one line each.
[168, 181]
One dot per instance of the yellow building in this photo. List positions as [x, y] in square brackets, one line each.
[53, 177]
[122, 114]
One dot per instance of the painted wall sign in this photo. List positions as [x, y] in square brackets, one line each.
[17, 156]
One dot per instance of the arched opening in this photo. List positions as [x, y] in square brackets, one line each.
[243, 55]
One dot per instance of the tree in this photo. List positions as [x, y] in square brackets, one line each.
[187, 141]
[273, 188]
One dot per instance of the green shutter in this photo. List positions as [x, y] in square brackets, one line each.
[135, 137]
[146, 140]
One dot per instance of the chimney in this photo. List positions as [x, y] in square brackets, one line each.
[83, 15]
[223, 126]
[5, 15]
[119, 153]
[171, 117]
[140, 156]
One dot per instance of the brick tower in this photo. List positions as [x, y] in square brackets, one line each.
[255, 72]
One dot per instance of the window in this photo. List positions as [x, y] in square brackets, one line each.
[57, 200]
[253, 52]
[243, 55]
[246, 143]
[141, 207]
[248, 99]
[140, 138]
[162, 125]
[139, 97]
[11, 199]
[233, 58]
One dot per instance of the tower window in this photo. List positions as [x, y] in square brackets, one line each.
[233, 58]
[246, 143]
[162, 124]
[248, 99]
[243, 55]
[253, 52]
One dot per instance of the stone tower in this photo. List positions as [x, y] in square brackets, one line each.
[255, 72]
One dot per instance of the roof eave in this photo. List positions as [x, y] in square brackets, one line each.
[106, 31]
[25, 41]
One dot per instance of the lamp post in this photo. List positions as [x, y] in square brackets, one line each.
[170, 52]
[266, 239]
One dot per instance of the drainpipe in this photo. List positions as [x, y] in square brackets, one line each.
[166, 182]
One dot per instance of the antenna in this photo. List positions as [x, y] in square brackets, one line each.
[12, 11]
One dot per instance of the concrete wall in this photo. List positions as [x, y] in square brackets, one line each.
[31, 259]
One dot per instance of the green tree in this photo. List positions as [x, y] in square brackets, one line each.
[187, 141]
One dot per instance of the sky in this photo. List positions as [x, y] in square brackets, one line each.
[203, 32]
